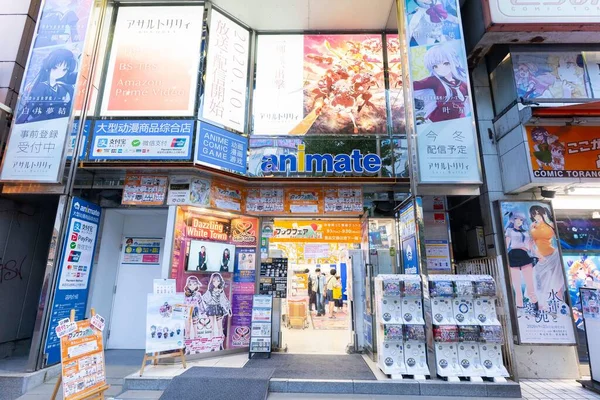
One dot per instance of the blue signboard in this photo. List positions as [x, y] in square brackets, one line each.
[222, 148]
[410, 255]
[408, 235]
[84, 138]
[165, 139]
[74, 271]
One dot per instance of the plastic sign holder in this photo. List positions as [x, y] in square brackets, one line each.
[262, 326]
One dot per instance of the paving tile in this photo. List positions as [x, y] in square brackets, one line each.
[320, 386]
[405, 387]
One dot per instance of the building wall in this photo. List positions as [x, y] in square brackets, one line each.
[530, 361]
[17, 25]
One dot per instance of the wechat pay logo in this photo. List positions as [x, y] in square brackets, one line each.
[136, 142]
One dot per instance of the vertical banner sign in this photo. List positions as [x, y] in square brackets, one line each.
[154, 59]
[226, 72]
[34, 152]
[74, 271]
[408, 237]
[446, 138]
[536, 273]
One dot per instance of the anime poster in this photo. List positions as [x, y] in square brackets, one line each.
[447, 145]
[396, 92]
[321, 84]
[432, 21]
[582, 270]
[549, 75]
[564, 151]
[154, 60]
[592, 67]
[536, 273]
[165, 322]
[579, 235]
[209, 298]
[38, 137]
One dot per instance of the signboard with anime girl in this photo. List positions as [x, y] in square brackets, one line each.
[536, 273]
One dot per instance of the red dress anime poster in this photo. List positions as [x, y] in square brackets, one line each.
[320, 84]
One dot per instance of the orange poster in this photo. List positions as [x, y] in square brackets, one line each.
[82, 357]
[316, 231]
[153, 67]
[343, 201]
[564, 151]
[304, 201]
[226, 196]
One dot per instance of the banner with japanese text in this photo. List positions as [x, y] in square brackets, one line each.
[265, 200]
[36, 144]
[144, 190]
[319, 84]
[226, 72]
[564, 151]
[226, 196]
[316, 231]
[154, 61]
[304, 201]
[447, 148]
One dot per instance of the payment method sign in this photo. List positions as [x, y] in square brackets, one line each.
[142, 140]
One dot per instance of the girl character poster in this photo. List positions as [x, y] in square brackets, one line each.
[443, 93]
[582, 271]
[58, 24]
[432, 21]
[536, 273]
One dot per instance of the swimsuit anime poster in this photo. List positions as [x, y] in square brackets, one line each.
[321, 84]
[154, 61]
[446, 138]
[536, 273]
[564, 151]
[37, 141]
[549, 75]
[396, 94]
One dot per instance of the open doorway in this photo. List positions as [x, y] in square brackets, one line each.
[315, 315]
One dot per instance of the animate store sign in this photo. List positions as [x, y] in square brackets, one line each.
[544, 11]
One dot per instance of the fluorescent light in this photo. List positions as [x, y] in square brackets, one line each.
[584, 191]
[575, 203]
[596, 215]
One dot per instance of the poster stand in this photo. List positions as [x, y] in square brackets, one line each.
[97, 393]
[590, 304]
[154, 357]
[262, 326]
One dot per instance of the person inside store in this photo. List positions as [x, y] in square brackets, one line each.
[319, 282]
[331, 285]
[312, 298]
[337, 294]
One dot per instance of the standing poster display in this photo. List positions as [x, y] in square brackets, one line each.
[36, 143]
[536, 273]
[74, 271]
[166, 317]
[446, 140]
[226, 72]
[141, 251]
[303, 81]
[262, 323]
[590, 304]
[144, 190]
[154, 60]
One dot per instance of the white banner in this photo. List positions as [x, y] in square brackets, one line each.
[226, 73]
[279, 95]
[544, 11]
[189, 190]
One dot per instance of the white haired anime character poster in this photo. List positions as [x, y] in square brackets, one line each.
[536, 273]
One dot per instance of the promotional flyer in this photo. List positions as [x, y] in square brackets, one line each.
[166, 317]
[141, 251]
[154, 62]
[320, 84]
[536, 273]
[564, 151]
[446, 138]
[37, 140]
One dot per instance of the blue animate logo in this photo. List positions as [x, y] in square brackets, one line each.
[353, 163]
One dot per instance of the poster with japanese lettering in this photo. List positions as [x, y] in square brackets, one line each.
[164, 139]
[226, 72]
[304, 201]
[226, 196]
[564, 151]
[447, 145]
[549, 75]
[154, 61]
[265, 200]
[343, 200]
[36, 144]
[146, 190]
[536, 276]
[320, 84]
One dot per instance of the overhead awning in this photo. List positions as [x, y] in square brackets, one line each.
[591, 109]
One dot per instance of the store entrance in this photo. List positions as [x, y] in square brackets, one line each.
[316, 315]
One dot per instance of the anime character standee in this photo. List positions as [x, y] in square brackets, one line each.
[217, 304]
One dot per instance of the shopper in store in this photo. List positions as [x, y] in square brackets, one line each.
[312, 298]
[320, 293]
[337, 294]
[331, 284]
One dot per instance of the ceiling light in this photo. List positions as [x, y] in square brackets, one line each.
[584, 191]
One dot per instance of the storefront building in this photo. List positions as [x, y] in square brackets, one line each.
[233, 152]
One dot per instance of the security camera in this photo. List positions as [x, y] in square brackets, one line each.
[548, 194]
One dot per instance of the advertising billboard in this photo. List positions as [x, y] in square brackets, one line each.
[154, 61]
[544, 11]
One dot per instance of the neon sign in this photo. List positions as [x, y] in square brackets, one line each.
[354, 163]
